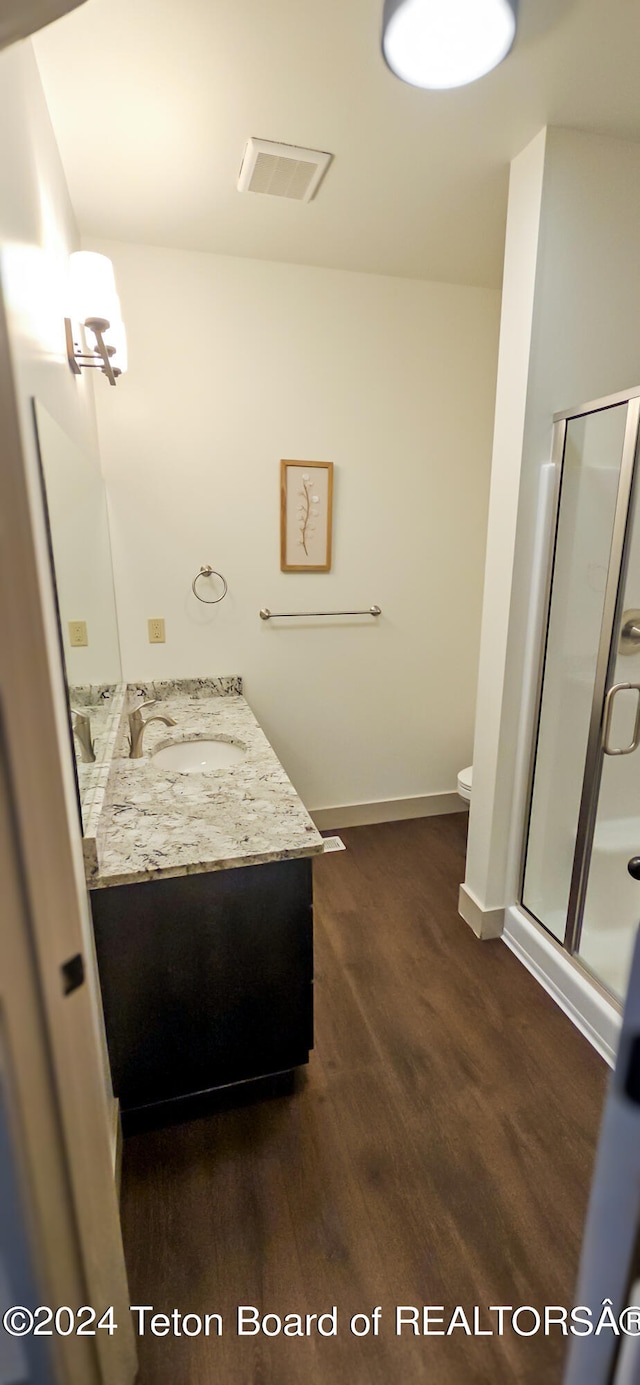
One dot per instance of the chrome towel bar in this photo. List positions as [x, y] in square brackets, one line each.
[266, 614]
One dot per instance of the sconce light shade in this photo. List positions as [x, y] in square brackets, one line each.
[440, 44]
[93, 287]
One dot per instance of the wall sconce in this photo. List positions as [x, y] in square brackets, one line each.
[95, 306]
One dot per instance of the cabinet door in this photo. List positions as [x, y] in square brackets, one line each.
[206, 979]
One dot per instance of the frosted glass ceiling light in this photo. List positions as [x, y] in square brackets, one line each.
[446, 43]
[94, 304]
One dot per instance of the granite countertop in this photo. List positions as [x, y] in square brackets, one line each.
[158, 822]
[103, 703]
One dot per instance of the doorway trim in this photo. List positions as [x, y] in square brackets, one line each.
[47, 834]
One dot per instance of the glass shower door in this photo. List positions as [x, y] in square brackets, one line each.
[590, 449]
[612, 899]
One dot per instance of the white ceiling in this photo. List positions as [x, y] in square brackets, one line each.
[152, 102]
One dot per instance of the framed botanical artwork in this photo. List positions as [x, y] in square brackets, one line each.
[306, 501]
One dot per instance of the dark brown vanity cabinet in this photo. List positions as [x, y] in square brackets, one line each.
[206, 979]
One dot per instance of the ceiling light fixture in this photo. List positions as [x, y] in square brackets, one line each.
[440, 44]
[95, 306]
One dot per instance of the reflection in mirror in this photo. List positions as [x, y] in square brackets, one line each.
[76, 507]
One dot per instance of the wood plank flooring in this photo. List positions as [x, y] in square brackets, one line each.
[438, 1151]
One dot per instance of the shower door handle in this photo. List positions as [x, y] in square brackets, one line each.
[608, 713]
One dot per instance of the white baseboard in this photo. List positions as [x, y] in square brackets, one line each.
[388, 810]
[592, 1012]
[485, 923]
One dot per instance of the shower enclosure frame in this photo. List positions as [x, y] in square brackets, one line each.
[629, 480]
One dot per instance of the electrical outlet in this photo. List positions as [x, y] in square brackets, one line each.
[156, 631]
[78, 633]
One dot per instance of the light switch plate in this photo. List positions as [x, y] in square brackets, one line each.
[78, 633]
[156, 631]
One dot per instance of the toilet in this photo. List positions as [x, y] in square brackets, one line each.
[465, 780]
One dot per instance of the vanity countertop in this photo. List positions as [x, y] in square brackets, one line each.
[158, 822]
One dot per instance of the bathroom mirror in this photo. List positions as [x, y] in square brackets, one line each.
[80, 551]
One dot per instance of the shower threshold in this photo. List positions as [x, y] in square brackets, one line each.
[593, 1011]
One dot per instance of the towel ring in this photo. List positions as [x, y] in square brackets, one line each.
[209, 572]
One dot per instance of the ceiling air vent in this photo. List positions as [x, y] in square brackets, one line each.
[282, 170]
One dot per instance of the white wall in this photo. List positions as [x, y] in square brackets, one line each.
[495, 719]
[235, 364]
[583, 342]
[37, 234]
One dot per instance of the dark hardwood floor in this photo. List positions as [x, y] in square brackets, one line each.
[438, 1151]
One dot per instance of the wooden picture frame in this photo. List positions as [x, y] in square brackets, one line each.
[306, 516]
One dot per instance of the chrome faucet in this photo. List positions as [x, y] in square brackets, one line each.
[82, 729]
[137, 726]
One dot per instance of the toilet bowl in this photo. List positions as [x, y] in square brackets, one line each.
[465, 780]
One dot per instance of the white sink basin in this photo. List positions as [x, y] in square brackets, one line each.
[196, 757]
